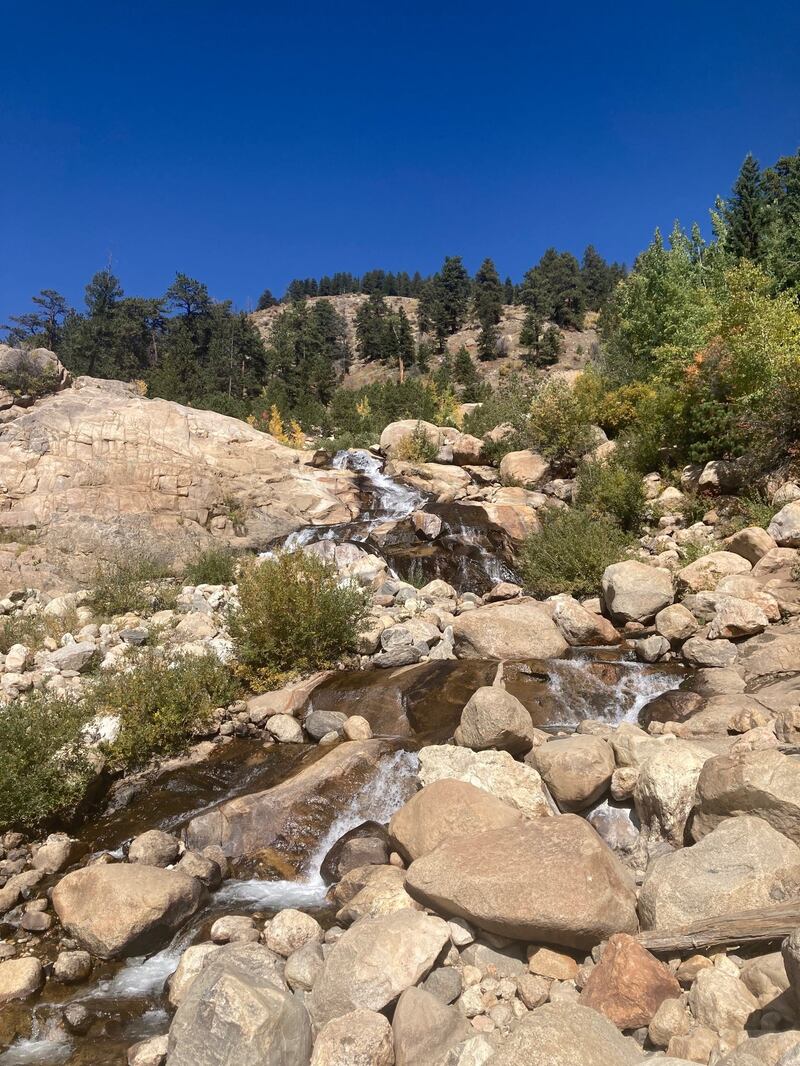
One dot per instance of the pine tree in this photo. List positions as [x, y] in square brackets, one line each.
[445, 299]
[488, 294]
[509, 291]
[598, 278]
[265, 300]
[745, 213]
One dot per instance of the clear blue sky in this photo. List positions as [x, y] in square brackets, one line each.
[248, 143]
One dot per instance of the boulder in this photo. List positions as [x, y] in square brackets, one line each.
[303, 967]
[125, 908]
[358, 1038]
[193, 960]
[446, 809]
[721, 1001]
[467, 450]
[751, 543]
[513, 629]
[785, 526]
[496, 772]
[698, 651]
[246, 825]
[665, 788]
[735, 618]
[291, 929]
[374, 961]
[777, 650]
[154, 848]
[20, 979]
[493, 718]
[396, 432]
[234, 1011]
[383, 892]
[761, 783]
[526, 468]
[566, 1034]
[425, 1029]
[767, 1049]
[742, 865]
[707, 571]
[57, 852]
[365, 845]
[676, 623]
[551, 880]
[576, 770]
[635, 592]
[582, 628]
[629, 984]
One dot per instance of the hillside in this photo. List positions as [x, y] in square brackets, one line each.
[578, 344]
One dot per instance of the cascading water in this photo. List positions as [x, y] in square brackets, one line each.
[583, 693]
[394, 501]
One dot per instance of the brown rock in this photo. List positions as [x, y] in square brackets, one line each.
[577, 770]
[629, 984]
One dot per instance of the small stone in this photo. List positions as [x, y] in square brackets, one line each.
[533, 990]
[20, 979]
[234, 929]
[72, 966]
[547, 962]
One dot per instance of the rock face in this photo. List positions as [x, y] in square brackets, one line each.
[635, 592]
[374, 961]
[235, 1012]
[517, 629]
[629, 984]
[493, 718]
[497, 772]
[447, 809]
[761, 783]
[577, 770]
[124, 909]
[742, 865]
[551, 880]
[565, 1034]
[248, 824]
[98, 469]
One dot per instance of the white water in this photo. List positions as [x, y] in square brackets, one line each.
[46, 1048]
[583, 694]
[395, 501]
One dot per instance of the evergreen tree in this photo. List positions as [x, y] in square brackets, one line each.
[554, 288]
[745, 214]
[46, 324]
[265, 300]
[188, 296]
[782, 239]
[598, 278]
[445, 299]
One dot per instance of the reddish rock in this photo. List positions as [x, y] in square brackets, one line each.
[629, 984]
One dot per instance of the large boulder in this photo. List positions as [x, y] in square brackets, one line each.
[581, 627]
[707, 571]
[665, 787]
[374, 961]
[777, 650]
[550, 880]
[635, 592]
[763, 783]
[395, 433]
[527, 469]
[735, 618]
[493, 718]
[751, 543]
[516, 629]
[577, 770]
[447, 809]
[496, 772]
[125, 908]
[629, 984]
[785, 526]
[234, 1011]
[566, 1034]
[249, 824]
[742, 865]
[425, 1029]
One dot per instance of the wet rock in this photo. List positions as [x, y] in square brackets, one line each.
[234, 929]
[154, 848]
[374, 961]
[289, 930]
[629, 984]
[77, 1018]
[425, 1029]
[513, 629]
[743, 864]
[496, 772]
[365, 845]
[576, 770]
[761, 783]
[675, 706]
[124, 909]
[565, 1034]
[493, 718]
[634, 592]
[20, 979]
[446, 809]
[550, 880]
[235, 1012]
[318, 723]
[206, 870]
[72, 966]
[358, 1038]
[35, 922]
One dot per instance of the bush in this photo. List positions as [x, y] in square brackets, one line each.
[558, 427]
[293, 616]
[44, 769]
[570, 553]
[214, 566]
[29, 377]
[132, 584]
[162, 703]
[613, 491]
[417, 447]
[31, 629]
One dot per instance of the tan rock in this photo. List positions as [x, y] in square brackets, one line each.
[580, 626]
[629, 984]
[515, 629]
[634, 592]
[576, 770]
[566, 1034]
[735, 618]
[525, 468]
[676, 623]
[396, 432]
[721, 1001]
[785, 526]
[493, 718]
[548, 962]
[425, 1029]
[358, 1038]
[751, 543]
[707, 571]
[20, 979]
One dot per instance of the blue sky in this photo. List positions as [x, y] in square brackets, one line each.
[246, 144]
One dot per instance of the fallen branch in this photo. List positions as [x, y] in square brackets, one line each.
[741, 927]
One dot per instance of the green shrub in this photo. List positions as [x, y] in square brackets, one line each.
[570, 553]
[29, 377]
[162, 703]
[558, 427]
[44, 770]
[417, 447]
[293, 615]
[214, 566]
[31, 629]
[132, 584]
[614, 491]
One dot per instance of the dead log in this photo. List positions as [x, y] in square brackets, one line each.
[741, 927]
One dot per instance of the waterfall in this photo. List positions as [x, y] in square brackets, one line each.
[583, 694]
[395, 501]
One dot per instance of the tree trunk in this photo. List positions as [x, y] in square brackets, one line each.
[742, 927]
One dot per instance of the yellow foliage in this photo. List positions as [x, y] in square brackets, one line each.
[363, 408]
[275, 425]
[297, 438]
[140, 386]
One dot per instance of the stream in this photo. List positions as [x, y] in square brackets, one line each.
[412, 705]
